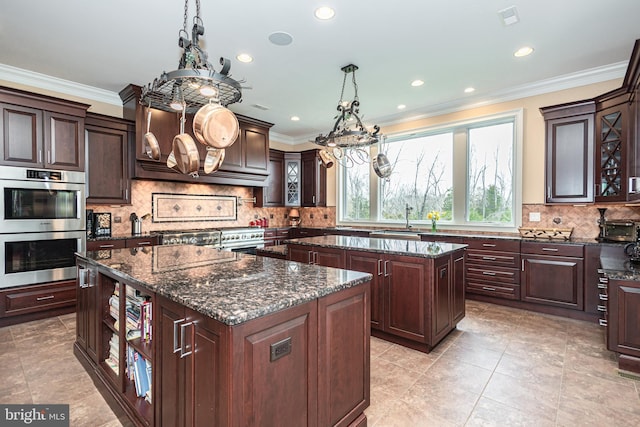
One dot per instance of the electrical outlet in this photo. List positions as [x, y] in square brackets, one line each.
[326, 216]
[534, 216]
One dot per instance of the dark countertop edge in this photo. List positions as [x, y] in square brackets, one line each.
[308, 241]
[125, 236]
[231, 320]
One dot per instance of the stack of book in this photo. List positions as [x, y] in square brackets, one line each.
[139, 371]
[138, 311]
[114, 352]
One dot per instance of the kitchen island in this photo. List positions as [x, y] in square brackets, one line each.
[417, 290]
[186, 335]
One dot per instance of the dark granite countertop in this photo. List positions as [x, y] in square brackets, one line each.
[387, 246]
[276, 249]
[619, 268]
[230, 287]
[124, 236]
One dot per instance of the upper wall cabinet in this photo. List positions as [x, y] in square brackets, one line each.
[41, 131]
[108, 141]
[272, 195]
[569, 152]
[314, 180]
[245, 163]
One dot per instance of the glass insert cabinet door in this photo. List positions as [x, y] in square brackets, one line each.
[293, 180]
[611, 156]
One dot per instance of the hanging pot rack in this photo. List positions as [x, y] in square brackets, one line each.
[194, 72]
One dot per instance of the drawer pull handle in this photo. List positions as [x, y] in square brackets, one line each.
[603, 297]
[487, 288]
[488, 245]
[488, 273]
[603, 280]
[379, 267]
[489, 258]
[143, 243]
[176, 348]
[105, 246]
[45, 298]
[550, 249]
[602, 308]
[602, 286]
[183, 333]
[602, 322]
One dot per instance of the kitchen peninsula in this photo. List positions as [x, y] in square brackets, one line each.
[417, 290]
[224, 338]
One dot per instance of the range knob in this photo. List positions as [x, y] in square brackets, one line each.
[193, 241]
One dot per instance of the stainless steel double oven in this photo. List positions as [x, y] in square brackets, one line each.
[42, 224]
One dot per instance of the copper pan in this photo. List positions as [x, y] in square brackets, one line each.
[184, 156]
[215, 126]
[151, 145]
[215, 157]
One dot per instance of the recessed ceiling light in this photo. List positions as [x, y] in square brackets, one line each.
[417, 83]
[401, 107]
[244, 57]
[280, 38]
[324, 13]
[469, 90]
[295, 118]
[523, 51]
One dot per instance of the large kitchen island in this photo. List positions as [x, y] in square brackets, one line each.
[187, 335]
[417, 290]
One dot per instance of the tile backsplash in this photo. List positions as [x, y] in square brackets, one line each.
[141, 204]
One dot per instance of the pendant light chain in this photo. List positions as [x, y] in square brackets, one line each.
[186, 13]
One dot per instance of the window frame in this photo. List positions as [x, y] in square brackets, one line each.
[460, 163]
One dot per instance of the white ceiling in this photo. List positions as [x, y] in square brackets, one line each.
[450, 44]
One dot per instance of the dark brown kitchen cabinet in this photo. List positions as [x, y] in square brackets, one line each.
[314, 180]
[25, 303]
[245, 163]
[87, 309]
[41, 131]
[275, 236]
[192, 377]
[129, 242]
[108, 141]
[300, 232]
[552, 274]
[493, 268]
[414, 301]
[326, 257]
[273, 193]
[623, 333]
[569, 152]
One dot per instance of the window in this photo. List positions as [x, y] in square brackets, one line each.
[469, 172]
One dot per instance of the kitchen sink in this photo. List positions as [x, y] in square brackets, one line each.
[395, 234]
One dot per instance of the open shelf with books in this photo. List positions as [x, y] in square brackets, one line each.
[126, 346]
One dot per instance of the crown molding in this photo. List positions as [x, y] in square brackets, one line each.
[43, 81]
[285, 139]
[541, 87]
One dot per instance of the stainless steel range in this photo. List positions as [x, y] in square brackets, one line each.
[242, 239]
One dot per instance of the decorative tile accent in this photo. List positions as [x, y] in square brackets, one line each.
[192, 207]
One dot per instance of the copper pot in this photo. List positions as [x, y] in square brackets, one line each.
[215, 157]
[184, 155]
[215, 126]
[151, 145]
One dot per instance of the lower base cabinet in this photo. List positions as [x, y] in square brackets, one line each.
[308, 365]
[623, 333]
[25, 303]
[414, 301]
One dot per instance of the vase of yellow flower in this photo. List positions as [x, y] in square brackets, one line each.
[433, 216]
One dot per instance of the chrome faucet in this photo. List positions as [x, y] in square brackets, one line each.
[407, 210]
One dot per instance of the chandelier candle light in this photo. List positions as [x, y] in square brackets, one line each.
[345, 142]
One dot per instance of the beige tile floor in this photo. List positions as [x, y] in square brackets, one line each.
[501, 367]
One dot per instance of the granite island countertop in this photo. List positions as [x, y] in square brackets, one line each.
[620, 268]
[230, 287]
[377, 245]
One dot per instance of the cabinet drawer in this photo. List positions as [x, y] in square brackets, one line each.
[501, 245]
[31, 299]
[493, 274]
[270, 233]
[552, 249]
[105, 244]
[498, 291]
[491, 258]
[282, 233]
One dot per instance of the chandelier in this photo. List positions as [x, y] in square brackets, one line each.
[195, 82]
[345, 142]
